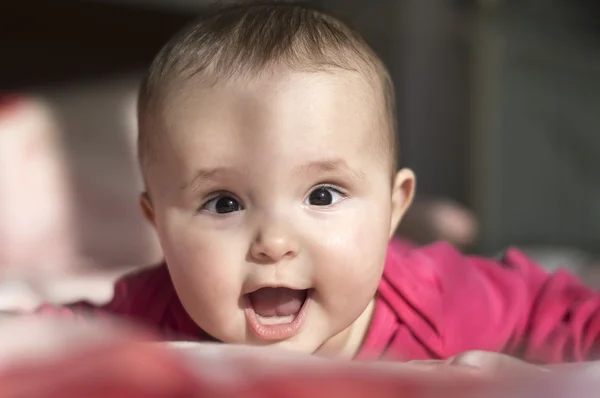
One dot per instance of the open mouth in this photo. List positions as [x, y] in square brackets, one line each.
[276, 313]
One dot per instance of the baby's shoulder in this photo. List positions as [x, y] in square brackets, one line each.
[144, 278]
[405, 260]
[441, 258]
[145, 285]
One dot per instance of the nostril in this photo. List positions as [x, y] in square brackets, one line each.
[264, 256]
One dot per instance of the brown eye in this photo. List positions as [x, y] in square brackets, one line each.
[223, 205]
[324, 196]
[320, 197]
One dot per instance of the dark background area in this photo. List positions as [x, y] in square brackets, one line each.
[499, 101]
[60, 41]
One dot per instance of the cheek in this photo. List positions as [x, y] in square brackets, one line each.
[352, 252]
[206, 262]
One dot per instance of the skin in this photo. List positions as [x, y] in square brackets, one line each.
[268, 143]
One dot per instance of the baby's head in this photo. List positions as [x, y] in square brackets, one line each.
[268, 146]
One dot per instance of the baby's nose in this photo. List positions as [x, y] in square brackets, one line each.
[273, 244]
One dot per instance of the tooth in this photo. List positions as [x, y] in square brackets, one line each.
[276, 320]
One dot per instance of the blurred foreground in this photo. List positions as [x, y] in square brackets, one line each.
[51, 359]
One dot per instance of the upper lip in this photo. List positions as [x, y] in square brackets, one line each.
[255, 287]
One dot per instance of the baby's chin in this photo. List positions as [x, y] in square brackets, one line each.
[318, 333]
[296, 346]
[243, 338]
[299, 344]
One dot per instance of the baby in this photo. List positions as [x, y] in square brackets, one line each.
[267, 140]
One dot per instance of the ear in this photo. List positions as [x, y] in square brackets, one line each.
[403, 192]
[147, 209]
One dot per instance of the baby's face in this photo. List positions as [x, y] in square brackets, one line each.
[273, 201]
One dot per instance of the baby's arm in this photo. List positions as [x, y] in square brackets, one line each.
[515, 306]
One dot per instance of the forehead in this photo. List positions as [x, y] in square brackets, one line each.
[284, 118]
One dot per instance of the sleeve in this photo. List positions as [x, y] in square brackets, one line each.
[515, 306]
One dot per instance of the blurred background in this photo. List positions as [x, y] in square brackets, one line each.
[498, 109]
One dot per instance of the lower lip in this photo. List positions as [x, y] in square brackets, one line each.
[280, 331]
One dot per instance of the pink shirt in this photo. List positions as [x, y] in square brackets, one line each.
[433, 302]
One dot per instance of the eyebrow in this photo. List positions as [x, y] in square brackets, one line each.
[328, 166]
[321, 166]
[201, 175]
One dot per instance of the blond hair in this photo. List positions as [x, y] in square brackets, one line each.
[244, 39]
